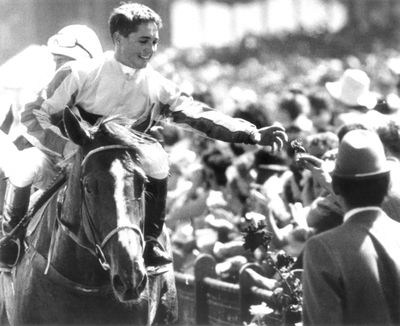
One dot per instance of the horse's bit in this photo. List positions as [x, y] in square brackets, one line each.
[99, 245]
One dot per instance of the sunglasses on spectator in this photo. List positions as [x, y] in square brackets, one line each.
[66, 41]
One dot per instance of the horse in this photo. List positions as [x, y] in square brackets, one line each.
[83, 262]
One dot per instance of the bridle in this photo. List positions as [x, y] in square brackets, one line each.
[97, 245]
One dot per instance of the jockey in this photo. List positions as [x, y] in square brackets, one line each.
[122, 82]
[72, 42]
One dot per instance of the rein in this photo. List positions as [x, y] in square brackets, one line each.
[98, 245]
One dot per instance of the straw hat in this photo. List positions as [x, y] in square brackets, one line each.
[76, 42]
[361, 155]
[353, 89]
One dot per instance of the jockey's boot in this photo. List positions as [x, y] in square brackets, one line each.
[16, 204]
[154, 254]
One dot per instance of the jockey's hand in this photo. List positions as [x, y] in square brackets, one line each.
[273, 136]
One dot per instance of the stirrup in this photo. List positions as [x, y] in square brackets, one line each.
[156, 246]
[6, 268]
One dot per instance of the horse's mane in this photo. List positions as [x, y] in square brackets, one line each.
[119, 129]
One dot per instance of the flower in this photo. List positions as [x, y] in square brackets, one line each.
[261, 310]
[256, 235]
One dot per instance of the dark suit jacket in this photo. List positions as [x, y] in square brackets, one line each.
[352, 273]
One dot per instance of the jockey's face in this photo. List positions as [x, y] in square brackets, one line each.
[137, 48]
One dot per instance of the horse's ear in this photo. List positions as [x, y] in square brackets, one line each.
[74, 129]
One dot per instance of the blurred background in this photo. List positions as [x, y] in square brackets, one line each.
[247, 50]
[194, 23]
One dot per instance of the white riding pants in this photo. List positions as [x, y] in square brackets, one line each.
[32, 166]
[25, 167]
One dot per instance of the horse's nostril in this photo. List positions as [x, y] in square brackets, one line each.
[129, 289]
[118, 284]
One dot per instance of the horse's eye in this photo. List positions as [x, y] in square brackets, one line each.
[90, 186]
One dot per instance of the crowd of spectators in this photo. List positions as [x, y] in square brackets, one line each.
[216, 189]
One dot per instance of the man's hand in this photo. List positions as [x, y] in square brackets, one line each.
[308, 161]
[320, 169]
[273, 136]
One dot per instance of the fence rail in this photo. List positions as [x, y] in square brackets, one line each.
[205, 300]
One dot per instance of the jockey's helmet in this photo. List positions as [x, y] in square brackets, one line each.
[75, 42]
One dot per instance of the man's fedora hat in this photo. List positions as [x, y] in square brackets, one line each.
[361, 155]
[352, 89]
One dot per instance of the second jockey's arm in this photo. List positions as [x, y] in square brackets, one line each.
[43, 117]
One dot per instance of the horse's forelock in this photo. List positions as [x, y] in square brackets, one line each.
[116, 130]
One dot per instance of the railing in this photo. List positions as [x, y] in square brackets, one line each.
[205, 300]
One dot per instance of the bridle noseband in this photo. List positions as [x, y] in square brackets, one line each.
[97, 244]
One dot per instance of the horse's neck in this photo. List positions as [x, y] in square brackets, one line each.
[72, 203]
[67, 257]
[78, 262]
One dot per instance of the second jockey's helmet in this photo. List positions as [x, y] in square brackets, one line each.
[76, 42]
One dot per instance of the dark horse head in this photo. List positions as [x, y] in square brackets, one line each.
[106, 200]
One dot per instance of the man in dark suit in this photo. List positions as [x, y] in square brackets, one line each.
[352, 272]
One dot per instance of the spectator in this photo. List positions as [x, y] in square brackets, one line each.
[389, 134]
[352, 272]
[352, 96]
[267, 164]
[296, 107]
[325, 211]
[321, 110]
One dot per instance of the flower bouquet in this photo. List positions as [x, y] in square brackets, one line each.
[286, 303]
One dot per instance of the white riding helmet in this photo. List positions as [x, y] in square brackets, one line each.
[76, 42]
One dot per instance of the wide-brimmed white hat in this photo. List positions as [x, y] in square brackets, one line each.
[352, 89]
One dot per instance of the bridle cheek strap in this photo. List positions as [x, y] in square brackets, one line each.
[98, 246]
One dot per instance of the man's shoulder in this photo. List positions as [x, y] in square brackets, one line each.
[332, 238]
[388, 224]
[357, 227]
[327, 235]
